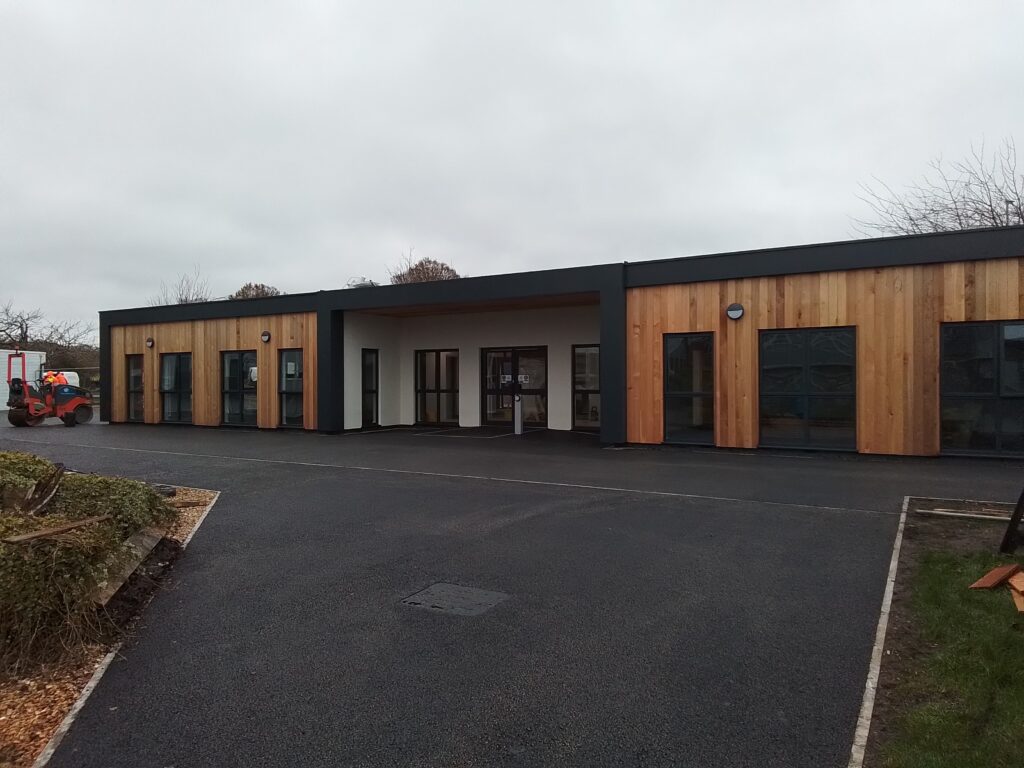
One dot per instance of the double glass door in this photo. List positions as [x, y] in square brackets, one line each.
[509, 372]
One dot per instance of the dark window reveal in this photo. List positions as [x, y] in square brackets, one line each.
[238, 376]
[176, 388]
[437, 386]
[586, 387]
[290, 387]
[982, 386]
[808, 388]
[689, 388]
[136, 391]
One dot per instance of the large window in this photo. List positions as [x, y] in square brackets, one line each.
[176, 388]
[437, 386]
[136, 391]
[238, 376]
[982, 385]
[586, 387]
[289, 387]
[371, 388]
[690, 388]
[809, 388]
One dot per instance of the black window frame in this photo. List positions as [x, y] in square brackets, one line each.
[997, 397]
[806, 394]
[422, 391]
[176, 392]
[577, 390]
[373, 391]
[129, 391]
[514, 387]
[242, 391]
[286, 395]
[667, 393]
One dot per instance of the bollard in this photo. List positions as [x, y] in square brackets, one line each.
[517, 414]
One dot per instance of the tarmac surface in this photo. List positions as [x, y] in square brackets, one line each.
[664, 606]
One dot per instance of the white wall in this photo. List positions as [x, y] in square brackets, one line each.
[371, 332]
[399, 338]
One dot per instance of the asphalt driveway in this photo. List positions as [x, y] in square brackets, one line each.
[668, 607]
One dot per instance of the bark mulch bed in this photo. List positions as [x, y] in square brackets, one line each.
[905, 647]
[33, 706]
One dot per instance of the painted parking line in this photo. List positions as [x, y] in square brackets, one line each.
[456, 476]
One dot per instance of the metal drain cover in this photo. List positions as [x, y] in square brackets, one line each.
[451, 598]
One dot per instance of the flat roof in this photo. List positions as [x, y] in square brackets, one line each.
[865, 253]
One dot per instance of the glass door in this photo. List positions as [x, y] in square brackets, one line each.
[371, 386]
[437, 386]
[511, 372]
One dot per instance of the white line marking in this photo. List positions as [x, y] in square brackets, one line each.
[69, 718]
[454, 476]
[860, 737]
[199, 522]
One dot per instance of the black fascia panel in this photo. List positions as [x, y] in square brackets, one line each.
[904, 250]
[551, 282]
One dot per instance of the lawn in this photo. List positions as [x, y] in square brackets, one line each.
[964, 690]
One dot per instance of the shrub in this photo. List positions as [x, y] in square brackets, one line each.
[46, 585]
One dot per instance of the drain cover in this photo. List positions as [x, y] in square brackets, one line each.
[451, 598]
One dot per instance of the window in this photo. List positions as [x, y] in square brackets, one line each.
[586, 387]
[437, 386]
[176, 388]
[808, 388]
[689, 388]
[238, 376]
[136, 392]
[290, 387]
[371, 388]
[982, 386]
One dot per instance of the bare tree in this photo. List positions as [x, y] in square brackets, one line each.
[979, 191]
[190, 288]
[255, 291]
[67, 343]
[422, 271]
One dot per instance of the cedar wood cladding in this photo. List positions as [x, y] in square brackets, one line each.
[206, 339]
[896, 310]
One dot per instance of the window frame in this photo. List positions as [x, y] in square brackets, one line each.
[283, 394]
[667, 393]
[242, 391]
[420, 388]
[806, 394]
[178, 389]
[576, 390]
[996, 396]
[128, 359]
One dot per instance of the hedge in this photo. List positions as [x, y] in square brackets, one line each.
[46, 586]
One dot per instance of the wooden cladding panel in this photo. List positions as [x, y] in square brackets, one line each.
[206, 339]
[896, 310]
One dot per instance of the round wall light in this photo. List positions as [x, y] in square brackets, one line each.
[265, 337]
[149, 342]
[734, 311]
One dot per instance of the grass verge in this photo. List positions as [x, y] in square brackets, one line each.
[963, 689]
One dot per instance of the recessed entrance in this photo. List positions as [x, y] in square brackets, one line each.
[510, 372]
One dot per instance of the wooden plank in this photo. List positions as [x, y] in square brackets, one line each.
[43, 533]
[141, 544]
[1016, 581]
[1018, 599]
[996, 576]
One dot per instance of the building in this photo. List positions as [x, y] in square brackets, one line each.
[904, 345]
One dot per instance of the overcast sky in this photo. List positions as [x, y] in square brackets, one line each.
[302, 143]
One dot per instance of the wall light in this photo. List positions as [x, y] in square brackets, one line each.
[149, 342]
[265, 337]
[734, 311]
